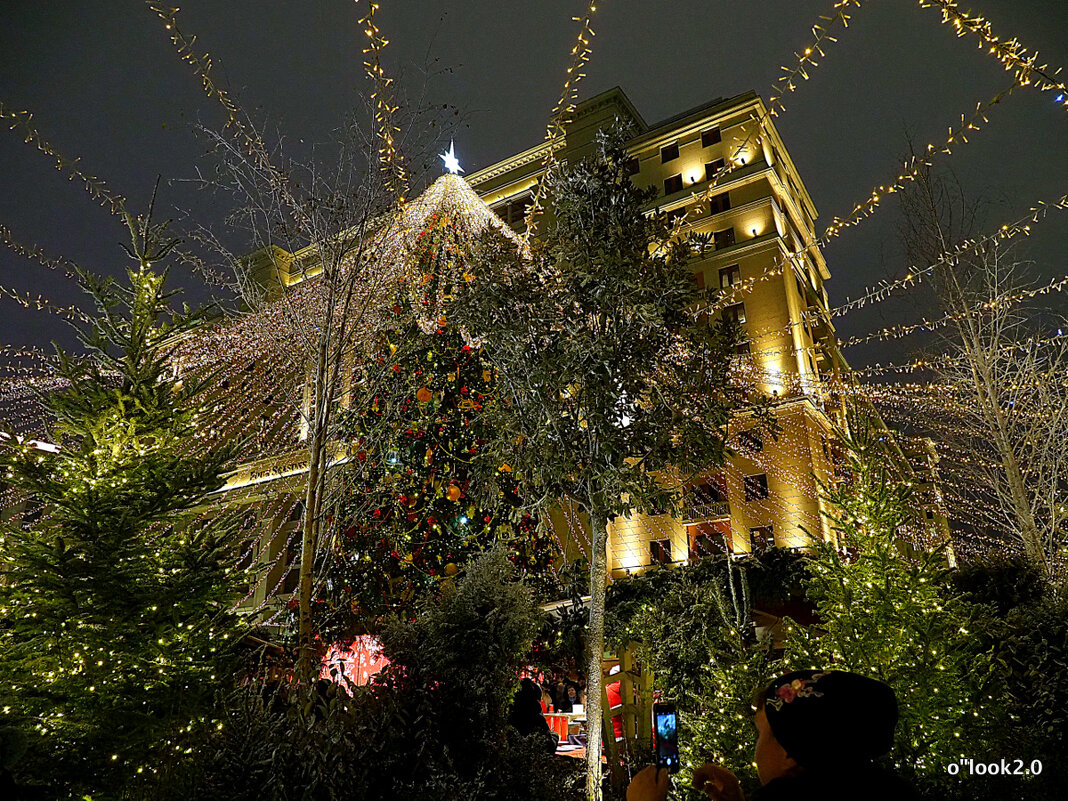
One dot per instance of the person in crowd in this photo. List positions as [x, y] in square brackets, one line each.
[573, 698]
[563, 701]
[526, 717]
[615, 700]
[818, 734]
[547, 704]
[548, 685]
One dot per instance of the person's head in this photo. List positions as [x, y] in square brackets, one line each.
[572, 692]
[822, 719]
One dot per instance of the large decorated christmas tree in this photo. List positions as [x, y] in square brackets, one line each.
[410, 517]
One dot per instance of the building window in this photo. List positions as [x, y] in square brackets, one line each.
[660, 552]
[729, 276]
[634, 165]
[706, 501]
[719, 203]
[673, 184]
[743, 348]
[711, 137]
[709, 545]
[676, 214]
[735, 313]
[723, 239]
[752, 440]
[669, 152]
[514, 210]
[246, 554]
[291, 580]
[296, 514]
[761, 539]
[712, 167]
[756, 487]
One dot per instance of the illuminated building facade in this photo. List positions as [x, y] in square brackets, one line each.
[764, 256]
[761, 222]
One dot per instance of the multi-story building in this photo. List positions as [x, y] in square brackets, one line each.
[760, 222]
[760, 219]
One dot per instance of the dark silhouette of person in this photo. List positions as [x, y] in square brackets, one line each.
[525, 715]
[819, 734]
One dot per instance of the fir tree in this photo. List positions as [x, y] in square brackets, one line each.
[115, 608]
[410, 516]
[885, 610]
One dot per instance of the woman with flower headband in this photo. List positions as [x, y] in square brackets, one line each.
[819, 733]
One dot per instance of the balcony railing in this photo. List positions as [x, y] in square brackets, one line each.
[694, 511]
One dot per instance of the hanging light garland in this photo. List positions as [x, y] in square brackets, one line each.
[22, 121]
[1014, 57]
[391, 161]
[561, 113]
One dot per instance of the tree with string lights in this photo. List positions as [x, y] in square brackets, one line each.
[1005, 394]
[115, 601]
[886, 610]
[409, 515]
[608, 379]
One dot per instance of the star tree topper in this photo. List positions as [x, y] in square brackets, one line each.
[451, 164]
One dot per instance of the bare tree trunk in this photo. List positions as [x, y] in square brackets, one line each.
[595, 644]
[309, 534]
[990, 402]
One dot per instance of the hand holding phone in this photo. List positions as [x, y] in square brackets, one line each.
[666, 736]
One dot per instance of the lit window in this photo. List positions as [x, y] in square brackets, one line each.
[756, 487]
[660, 552]
[729, 276]
[735, 313]
[761, 539]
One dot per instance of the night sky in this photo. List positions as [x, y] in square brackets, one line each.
[105, 85]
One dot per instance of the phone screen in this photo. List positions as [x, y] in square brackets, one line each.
[667, 736]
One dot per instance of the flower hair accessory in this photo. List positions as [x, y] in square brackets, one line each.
[844, 719]
[790, 691]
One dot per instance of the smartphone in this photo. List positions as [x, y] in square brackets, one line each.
[666, 736]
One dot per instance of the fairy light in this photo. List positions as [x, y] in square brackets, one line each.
[202, 65]
[1018, 227]
[915, 166]
[391, 162]
[41, 303]
[899, 331]
[253, 341]
[1014, 57]
[560, 116]
[22, 121]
